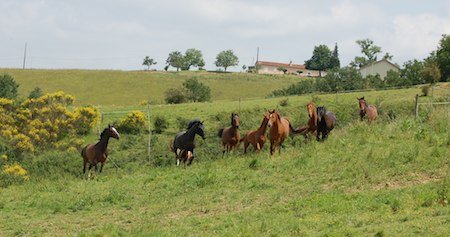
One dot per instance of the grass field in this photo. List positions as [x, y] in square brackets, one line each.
[109, 87]
[388, 179]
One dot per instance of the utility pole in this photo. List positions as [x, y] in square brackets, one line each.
[257, 59]
[24, 56]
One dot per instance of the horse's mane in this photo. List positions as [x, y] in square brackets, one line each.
[103, 133]
[193, 122]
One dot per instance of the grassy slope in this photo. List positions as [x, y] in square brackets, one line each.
[103, 87]
[387, 178]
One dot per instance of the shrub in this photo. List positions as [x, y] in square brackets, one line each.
[425, 90]
[85, 118]
[197, 91]
[133, 123]
[160, 124]
[12, 174]
[8, 87]
[175, 96]
[284, 102]
[35, 93]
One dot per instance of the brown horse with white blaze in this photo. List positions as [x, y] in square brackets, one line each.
[256, 137]
[311, 126]
[230, 135]
[98, 153]
[366, 109]
[280, 127]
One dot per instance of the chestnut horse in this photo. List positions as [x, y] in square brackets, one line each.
[95, 153]
[369, 110]
[230, 135]
[257, 137]
[311, 126]
[325, 122]
[280, 127]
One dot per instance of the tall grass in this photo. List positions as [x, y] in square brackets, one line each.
[390, 178]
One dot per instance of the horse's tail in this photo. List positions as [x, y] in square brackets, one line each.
[83, 152]
[300, 130]
[219, 134]
[292, 129]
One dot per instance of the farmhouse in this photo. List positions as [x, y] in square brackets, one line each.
[263, 67]
[380, 67]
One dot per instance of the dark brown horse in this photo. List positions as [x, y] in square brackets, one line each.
[280, 128]
[230, 135]
[369, 110]
[256, 137]
[325, 122]
[98, 153]
[183, 144]
[311, 126]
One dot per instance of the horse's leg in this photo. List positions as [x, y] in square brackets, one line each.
[101, 166]
[258, 147]
[84, 166]
[89, 171]
[245, 147]
[272, 148]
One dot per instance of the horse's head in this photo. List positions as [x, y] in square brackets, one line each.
[362, 102]
[274, 116]
[321, 111]
[111, 131]
[235, 120]
[199, 129]
[311, 109]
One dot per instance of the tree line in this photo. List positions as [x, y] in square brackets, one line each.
[434, 68]
[194, 58]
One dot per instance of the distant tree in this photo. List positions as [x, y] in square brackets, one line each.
[35, 93]
[443, 57]
[370, 52]
[226, 59]
[175, 60]
[148, 62]
[244, 67]
[388, 56]
[282, 69]
[166, 68]
[8, 87]
[320, 60]
[193, 58]
[411, 73]
[431, 73]
[335, 62]
[197, 91]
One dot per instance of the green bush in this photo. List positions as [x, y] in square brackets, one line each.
[35, 93]
[8, 87]
[160, 124]
[197, 91]
[175, 96]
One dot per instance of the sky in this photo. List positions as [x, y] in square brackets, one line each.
[118, 34]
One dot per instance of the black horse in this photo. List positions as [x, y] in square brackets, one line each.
[183, 144]
[325, 122]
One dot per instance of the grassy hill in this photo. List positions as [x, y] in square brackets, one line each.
[387, 179]
[108, 87]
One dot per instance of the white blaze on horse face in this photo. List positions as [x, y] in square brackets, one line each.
[116, 133]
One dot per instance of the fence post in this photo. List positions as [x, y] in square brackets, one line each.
[239, 105]
[416, 112]
[149, 133]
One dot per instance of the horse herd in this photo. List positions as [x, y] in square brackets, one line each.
[320, 123]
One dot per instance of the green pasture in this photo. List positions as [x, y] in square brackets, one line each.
[112, 87]
[387, 179]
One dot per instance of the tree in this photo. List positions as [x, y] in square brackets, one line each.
[443, 57]
[148, 62]
[197, 91]
[388, 56]
[431, 73]
[335, 63]
[370, 52]
[320, 60]
[282, 69]
[244, 67]
[175, 96]
[226, 59]
[175, 60]
[193, 58]
[8, 87]
[411, 73]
